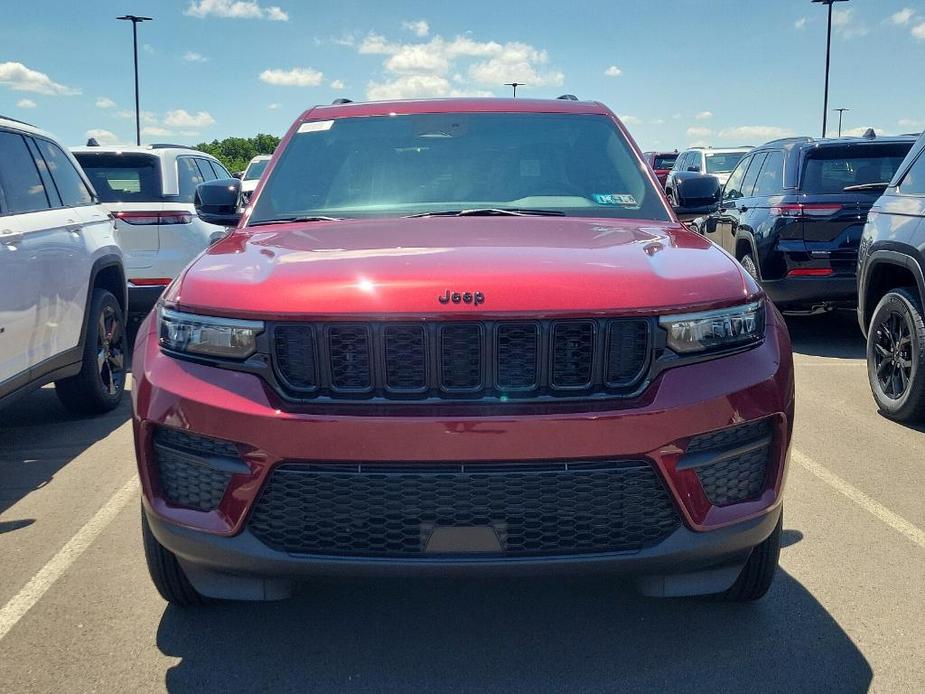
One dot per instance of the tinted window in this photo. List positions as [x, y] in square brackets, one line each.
[913, 182]
[832, 169]
[188, 176]
[748, 183]
[255, 170]
[733, 189]
[205, 168]
[723, 163]
[771, 178]
[123, 177]
[380, 166]
[694, 160]
[70, 185]
[664, 161]
[20, 184]
[219, 170]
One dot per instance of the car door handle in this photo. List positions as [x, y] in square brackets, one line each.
[10, 238]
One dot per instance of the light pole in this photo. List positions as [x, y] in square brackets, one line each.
[136, 20]
[828, 50]
[514, 86]
[840, 112]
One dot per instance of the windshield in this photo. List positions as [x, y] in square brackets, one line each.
[122, 177]
[664, 161]
[255, 169]
[831, 169]
[428, 163]
[723, 163]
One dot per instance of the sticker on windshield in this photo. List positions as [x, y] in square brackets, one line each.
[315, 126]
[617, 199]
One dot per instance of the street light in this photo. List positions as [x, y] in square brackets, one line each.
[840, 112]
[136, 20]
[828, 49]
[514, 86]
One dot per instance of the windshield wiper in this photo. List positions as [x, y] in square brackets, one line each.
[869, 186]
[289, 220]
[491, 212]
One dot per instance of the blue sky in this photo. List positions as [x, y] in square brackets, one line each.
[680, 72]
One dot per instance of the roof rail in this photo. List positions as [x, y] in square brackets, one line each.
[783, 140]
[168, 145]
[568, 97]
[341, 100]
[16, 120]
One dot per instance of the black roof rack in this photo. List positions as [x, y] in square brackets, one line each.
[168, 145]
[568, 97]
[16, 120]
[785, 140]
[342, 100]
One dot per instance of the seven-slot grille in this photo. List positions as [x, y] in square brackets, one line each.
[460, 360]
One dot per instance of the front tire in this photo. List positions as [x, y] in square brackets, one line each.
[99, 386]
[896, 356]
[758, 573]
[166, 573]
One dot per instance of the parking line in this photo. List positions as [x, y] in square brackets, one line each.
[894, 520]
[39, 584]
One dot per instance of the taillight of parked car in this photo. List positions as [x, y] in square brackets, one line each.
[143, 217]
[802, 210]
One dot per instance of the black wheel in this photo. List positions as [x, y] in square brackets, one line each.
[749, 264]
[99, 385]
[896, 356]
[758, 572]
[166, 572]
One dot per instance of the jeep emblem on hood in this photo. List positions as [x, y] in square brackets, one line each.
[464, 298]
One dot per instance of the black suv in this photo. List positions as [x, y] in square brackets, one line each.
[793, 210]
[891, 287]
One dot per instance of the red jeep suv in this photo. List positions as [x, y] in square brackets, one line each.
[460, 335]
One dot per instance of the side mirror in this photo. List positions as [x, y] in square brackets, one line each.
[697, 194]
[694, 169]
[217, 201]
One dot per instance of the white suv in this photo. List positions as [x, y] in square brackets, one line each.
[150, 191]
[251, 176]
[706, 160]
[62, 282]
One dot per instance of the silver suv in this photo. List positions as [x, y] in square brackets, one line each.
[62, 282]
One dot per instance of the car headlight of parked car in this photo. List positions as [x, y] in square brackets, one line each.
[710, 331]
[209, 336]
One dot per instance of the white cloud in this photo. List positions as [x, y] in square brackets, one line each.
[417, 69]
[858, 132]
[194, 57]
[910, 123]
[148, 48]
[704, 115]
[748, 133]
[418, 28]
[903, 16]
[180, 118]
[26, 103]
[296, 77]
[846, 24]
[800, 24]
[235, 9]
[105, 102]
[658, 121]
[698, 131]
[104, 137]
[613, 71]
[155, 130]
[337, 84]
[272, 107]
[20, 78]
[629, 120]
[918, 31]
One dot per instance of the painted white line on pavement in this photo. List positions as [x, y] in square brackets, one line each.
[894, 520]
[39, 584]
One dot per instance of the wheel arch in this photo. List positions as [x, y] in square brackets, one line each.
[886, 270]
[107, 273]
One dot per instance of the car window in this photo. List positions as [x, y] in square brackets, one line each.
[913, 182]
[680, 163]
[381, 166]
[733, 189]
[20, 183]
[255, 170]
[748, 183]
[694, 161]
[205, 168]
[219, 170]
[723, 163]
[70, 185]
[771, 179]
[121, 176]
[663, 161]
[833, 168]
[188, 177]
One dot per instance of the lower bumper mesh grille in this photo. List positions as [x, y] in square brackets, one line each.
[558, 509]
[742, 456]
[185, 474]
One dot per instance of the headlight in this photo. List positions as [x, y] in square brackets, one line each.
[715, 330]
[207, 335]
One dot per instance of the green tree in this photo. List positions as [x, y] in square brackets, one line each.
[236, 152]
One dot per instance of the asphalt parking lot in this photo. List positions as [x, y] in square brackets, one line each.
[846, 613]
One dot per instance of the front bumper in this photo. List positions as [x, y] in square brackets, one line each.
[141, 299]
[216, 546]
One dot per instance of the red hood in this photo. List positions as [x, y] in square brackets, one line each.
[538, 265]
